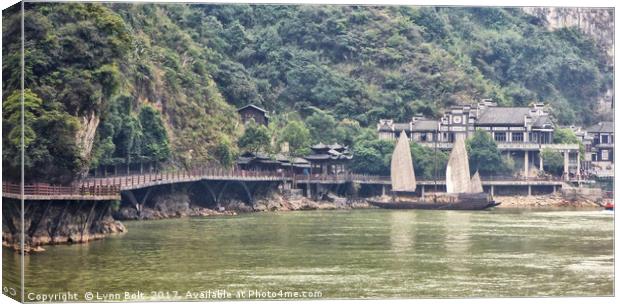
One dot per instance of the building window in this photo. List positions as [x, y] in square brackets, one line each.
[604, 139]
[500, 136]
[604, 154]
[518, 136]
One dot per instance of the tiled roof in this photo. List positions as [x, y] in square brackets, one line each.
[425, 125]
[541, 121]
[503, 116]
[252, 106]
[602, 127]
[385, 127]
[401, 126]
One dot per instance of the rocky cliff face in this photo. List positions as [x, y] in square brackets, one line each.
[596, 22]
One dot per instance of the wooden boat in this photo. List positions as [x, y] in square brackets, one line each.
[464, 193]
[460, 201]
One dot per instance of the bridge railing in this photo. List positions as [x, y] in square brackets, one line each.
[182, 175]
[43, 189]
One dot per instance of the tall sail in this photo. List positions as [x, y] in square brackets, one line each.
[475, 185]
[457, 172]
[403, 177]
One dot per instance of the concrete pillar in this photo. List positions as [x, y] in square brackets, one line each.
[578, 166]
[422, 190]
[492, 190]
[540, 161]
[566, 177]
[382, 190]
[529, 190]
[526, 164]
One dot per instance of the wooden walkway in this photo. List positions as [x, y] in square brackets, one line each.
[109, 188]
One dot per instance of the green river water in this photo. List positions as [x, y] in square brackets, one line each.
[337, 254]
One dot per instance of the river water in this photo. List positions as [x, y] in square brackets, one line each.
[340, 254]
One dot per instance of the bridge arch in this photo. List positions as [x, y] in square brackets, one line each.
[244, 186]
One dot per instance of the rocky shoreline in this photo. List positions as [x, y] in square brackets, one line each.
[179, 205]
[34, 244]
[544, 201]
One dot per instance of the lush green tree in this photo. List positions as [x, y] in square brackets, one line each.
[154, 141]
[484, 156]
[322, 127]
[553, 161]
[50, 150]
[346, 131]
[567, 136]
[372, 157]
[428, 163]
[297, 135]
[225, 152]
[255, 138]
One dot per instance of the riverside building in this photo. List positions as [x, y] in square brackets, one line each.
[521, 133]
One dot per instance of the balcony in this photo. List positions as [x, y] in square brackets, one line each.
[511, 146]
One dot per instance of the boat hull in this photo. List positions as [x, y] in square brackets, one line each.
[441, 202]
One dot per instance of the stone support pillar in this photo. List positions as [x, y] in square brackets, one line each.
[529, 190]
[566, 177]
[526, 164]
[492, 190]
[578, 166]
[422, 190]
[540, 161]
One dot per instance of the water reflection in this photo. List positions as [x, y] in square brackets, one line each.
[402, 234]
[458, 239]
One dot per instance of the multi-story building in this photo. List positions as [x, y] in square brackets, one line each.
[601, 151]
[521, 133]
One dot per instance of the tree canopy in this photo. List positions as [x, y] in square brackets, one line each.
[484, 156]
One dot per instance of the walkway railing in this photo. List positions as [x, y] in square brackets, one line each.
[134, 180]
[42, 189]
[108, 186]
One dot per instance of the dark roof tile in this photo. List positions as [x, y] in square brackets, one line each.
[602, 127]
[503, 116]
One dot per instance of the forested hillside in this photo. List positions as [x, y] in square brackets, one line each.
[159, 83]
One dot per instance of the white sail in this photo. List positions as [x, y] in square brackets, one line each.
[475, 185]
[403, 177]
[457, 172]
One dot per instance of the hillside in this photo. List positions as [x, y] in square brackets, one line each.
[153, 83]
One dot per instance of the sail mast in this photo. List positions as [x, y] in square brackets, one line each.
[402, 174]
